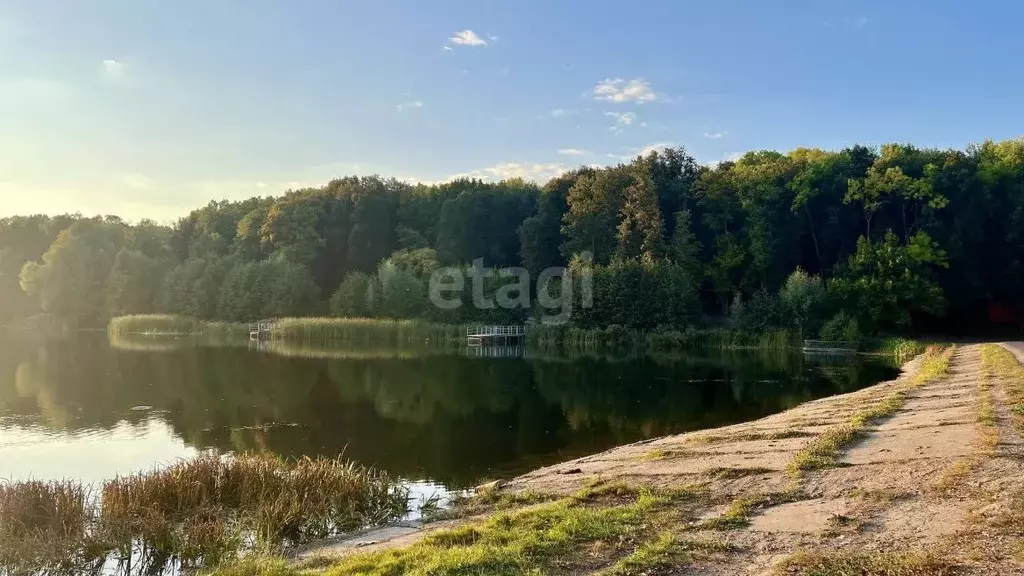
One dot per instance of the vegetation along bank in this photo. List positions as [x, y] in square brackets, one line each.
[820, 243]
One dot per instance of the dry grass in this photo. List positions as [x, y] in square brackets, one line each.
[860, 564]
[197, 512]
[46, 526]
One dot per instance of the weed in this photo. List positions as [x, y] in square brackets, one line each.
[857, 564]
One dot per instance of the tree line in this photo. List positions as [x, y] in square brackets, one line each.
[856, 240]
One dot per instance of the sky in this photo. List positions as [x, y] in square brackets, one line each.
[150, 108]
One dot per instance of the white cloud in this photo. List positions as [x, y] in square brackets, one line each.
[562, 112]
[715, 135]
[446, 48]
[411, 105]
[113, 70]
[573, 152]
[620, 90]
[622, 118]
[537, 172]
[643, 150]
[467, 38]
[492, 38]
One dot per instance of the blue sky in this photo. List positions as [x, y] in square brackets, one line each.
[149, 108]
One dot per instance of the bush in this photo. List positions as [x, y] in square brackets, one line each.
[841, 327]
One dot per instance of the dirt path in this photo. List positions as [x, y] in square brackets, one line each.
[932, 475]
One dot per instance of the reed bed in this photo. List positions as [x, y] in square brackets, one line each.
[46, 526]
[619, 338]
[331, 330]
[197, 512]
[171, 325]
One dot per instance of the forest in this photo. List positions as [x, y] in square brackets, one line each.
[856, 241]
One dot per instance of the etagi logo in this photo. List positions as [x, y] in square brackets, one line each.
[555, 288]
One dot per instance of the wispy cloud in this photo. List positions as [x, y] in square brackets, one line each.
[715, 135]
[562, 112]
[538, 172]
[467, 38]
[620, 91]
[113, 70]
[643, 150]
[622, 118]
[573, 152]
[861, 22]
[411, 105]
[446, 48]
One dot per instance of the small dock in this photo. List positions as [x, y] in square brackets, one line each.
[495, 335]
[260, 330]
[829, 347]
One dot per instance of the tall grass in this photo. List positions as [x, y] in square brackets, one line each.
[196, 512]
[171, 325]
[619, 338]
[46, 526]
[331, 330]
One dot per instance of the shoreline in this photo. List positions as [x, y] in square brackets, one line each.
[925, 483]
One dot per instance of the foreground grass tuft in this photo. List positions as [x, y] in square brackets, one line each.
[532, 540]
[857, 564]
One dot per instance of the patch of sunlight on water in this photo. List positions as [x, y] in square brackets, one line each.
[29, 451]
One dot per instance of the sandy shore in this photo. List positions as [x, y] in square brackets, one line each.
[934, 475]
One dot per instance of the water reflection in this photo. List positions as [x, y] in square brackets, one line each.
[74, 408]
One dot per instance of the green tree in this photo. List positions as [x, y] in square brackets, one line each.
[885, 281]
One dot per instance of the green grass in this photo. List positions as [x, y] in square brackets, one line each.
[524, 541]
[862, 564]
[1000, 362]
[737, 515]
[331, 330]
[664, 552]
[896, 347]
[824, 450]
[170, 325]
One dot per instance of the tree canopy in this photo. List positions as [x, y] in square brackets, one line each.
[894, 237]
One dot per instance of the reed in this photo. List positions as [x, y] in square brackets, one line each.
[197, 512]
[618, 338]
[331, 330]
[171, 325]
[46, 526]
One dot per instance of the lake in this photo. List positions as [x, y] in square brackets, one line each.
[88, 409]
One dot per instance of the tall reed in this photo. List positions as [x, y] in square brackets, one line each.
[330, 330]
[47, 526]
[171, 325]
[194, 513]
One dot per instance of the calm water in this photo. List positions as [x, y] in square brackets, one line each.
[88, 409]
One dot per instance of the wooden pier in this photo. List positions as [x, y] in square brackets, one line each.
[829, 347]
[495, 335]
[260, 330]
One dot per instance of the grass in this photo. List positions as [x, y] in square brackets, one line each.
[194, 513]
[896, 347]
[666, 551]
[823, 451]
[329, 330]
[749, 436]
[46, 526]
[1003, 364]
[525, 541]
[170, 325]
[862, 564]
[737, 515]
